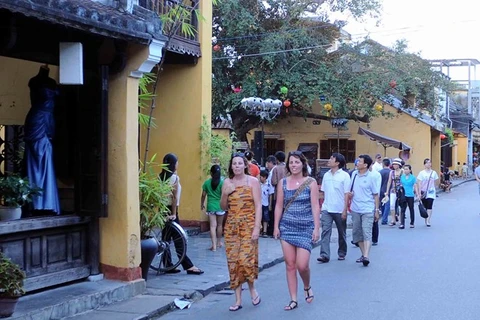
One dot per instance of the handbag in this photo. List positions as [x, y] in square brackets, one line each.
[297, 193]
[423, 211]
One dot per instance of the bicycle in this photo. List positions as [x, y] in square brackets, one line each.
[171, 237]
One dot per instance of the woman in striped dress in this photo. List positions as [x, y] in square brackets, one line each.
[297, 223]
[241, 197]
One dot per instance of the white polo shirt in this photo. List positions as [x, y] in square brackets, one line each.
[365, 186]
[335, 185]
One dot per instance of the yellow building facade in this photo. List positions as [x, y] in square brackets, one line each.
[183, 106]
[421, 137]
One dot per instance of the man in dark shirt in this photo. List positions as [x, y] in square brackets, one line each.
[385, 173]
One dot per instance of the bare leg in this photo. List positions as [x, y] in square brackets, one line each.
[429, 212]
[213, 231]
[238, 298]
[219, 231]
[290, 255]
[253, 293]
[303, 266]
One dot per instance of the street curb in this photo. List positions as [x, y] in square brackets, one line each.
[198, 295]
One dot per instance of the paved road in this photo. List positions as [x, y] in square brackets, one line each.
[421, 273]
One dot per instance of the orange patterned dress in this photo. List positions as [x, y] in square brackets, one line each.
[242, 252]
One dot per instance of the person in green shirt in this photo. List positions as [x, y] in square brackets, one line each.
[213, 189]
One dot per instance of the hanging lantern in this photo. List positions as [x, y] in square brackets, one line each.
[392, 84]
[216, 48]
[287, 103]
[379, 107]
[442, 136]
[328, 107]
[284, 90]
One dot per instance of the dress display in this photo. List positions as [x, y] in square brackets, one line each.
[296, 225]
[242, 252]
[39, 131]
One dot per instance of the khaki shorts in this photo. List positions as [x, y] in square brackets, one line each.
[362, 226]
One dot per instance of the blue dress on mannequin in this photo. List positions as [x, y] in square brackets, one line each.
[39, 131]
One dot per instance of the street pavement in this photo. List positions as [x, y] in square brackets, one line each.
[400, 258]
[420, 273]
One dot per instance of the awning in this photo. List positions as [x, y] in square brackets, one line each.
[385, 141]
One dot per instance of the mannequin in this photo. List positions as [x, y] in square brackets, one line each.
[39, 132]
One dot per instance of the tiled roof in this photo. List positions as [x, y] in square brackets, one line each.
[91, 16]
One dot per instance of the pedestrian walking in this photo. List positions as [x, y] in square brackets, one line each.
[335, 187]
[409, 184]
[297, 224]
[252, 167]
[426, 180]
[393, 186]
[375, 228]
[241, 196]
[477, 177]
[364, 205]
[278, 173]
[267, 190]
[385, 204]
[377, 165]
[212, 190]
[170, 173]
[465, 170]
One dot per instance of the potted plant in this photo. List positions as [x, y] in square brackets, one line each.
[15, 192]
[11, 286]
[154, 198]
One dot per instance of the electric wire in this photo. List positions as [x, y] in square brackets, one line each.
[241, 56]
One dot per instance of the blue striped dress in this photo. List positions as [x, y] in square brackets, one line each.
[296, 225]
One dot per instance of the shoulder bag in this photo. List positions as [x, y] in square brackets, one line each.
[299, 190]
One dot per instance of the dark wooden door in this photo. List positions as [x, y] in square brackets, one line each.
[91, 197]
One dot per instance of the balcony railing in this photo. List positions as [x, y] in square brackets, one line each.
[163, 7]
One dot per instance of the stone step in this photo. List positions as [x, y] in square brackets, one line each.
[72, 299]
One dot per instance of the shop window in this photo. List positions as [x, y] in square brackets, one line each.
[343, 146]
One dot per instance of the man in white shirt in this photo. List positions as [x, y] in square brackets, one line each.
[377, 166]
[335, 187]
[363, 193]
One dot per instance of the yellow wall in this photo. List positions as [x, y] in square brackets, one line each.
[120, 232]
[14, 91]
[183, 98]
[462, 147]
[402, 127]
[436, 143]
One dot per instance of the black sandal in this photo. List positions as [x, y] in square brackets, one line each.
[291, 305]
[307, 292]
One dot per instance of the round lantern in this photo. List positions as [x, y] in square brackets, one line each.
[379, 107]
[216, 47]
[328, 107]
[442, 136]
[284, 90]
[393, 84]
[287, 103]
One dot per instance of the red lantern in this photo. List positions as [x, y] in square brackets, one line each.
[442, 136]
[393, 84]
[287, 103]
[216, 47]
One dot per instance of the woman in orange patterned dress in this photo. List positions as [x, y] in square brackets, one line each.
[241, 196]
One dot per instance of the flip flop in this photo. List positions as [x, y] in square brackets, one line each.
[235, 307]
[255, 299]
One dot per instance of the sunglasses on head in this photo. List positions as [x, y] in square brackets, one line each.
[238, 154]
[296, 153]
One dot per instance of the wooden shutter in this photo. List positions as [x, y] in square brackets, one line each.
[91, 196]
[324, 149]
[281, 145]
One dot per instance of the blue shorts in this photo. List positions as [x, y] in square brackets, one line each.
[265, 214]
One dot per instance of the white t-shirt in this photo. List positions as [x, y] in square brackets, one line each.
[335, 186]
[377, 166]
[423, 177]
[175, 178]
[365, 186]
